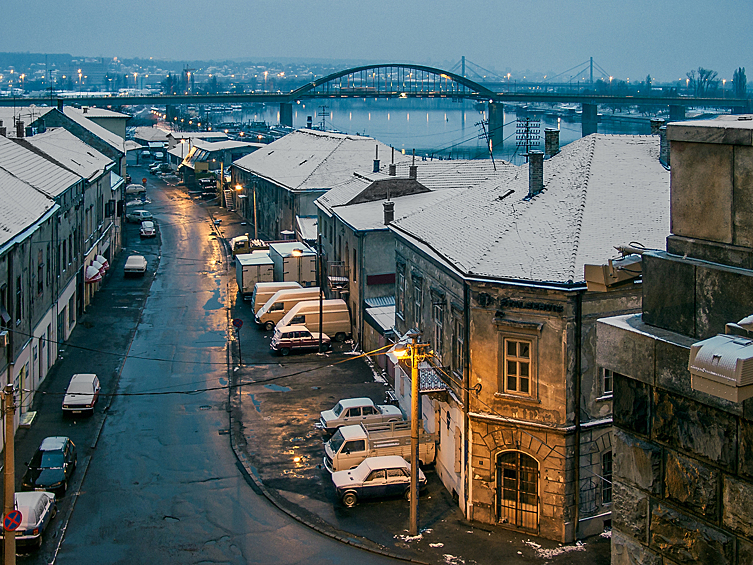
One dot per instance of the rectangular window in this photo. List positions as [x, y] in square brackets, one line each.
[49, 265]
[417, 300]
[607, 382]
[517, 366]
[40, 272]
[19, 300]
[438, 316]
[458, 346]
[400, 292]
[65, 248]
[606, 480]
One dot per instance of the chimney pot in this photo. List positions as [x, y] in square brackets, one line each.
[60, 104]
[413, 172]
[19, 129]
[656, 124]
[393, 169]
[389, 211]
[376, 165]
[3, 131]
[535, 172]
[85, 109]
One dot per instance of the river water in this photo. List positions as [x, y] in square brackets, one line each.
[433, 128]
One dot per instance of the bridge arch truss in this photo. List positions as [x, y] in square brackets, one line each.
[393, 81]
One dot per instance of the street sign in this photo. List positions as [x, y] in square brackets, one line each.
[12, 521]
[238, 323]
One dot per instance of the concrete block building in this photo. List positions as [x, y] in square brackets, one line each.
[683, 464]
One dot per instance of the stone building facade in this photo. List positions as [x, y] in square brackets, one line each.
[683, 482]
[494, 280]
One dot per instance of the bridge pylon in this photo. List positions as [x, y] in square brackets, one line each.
[496, 123]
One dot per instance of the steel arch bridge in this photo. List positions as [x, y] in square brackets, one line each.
[393, 81]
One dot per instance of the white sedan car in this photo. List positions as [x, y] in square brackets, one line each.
[137, 216]
[82, 394]
[351, 411]
[37, 509]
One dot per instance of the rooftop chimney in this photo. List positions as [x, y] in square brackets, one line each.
[393, 169]
[656, 124]
[309, 122]
[663, 146]
[85, 109]
[551, 142]
[60, 104]
[376, 160]
[535, 172]
[41, 128]
[413, 172]
[3, 129]
[389, 211]
[19, 129]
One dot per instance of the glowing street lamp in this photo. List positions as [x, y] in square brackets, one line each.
[416, 352]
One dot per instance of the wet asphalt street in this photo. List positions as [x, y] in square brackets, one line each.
[161, 484]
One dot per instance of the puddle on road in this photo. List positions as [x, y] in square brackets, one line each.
[256, 403]
[278, 388]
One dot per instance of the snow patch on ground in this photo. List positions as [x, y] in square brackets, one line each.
[550, 553]
[606, 534]
[408, 538]
[452, 560]
[436, 545]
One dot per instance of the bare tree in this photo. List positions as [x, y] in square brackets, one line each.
[702, 83]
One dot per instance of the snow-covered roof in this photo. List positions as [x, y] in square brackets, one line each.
[22, 205]
[307, 227]
[131, 145]
[151, 133]
[94, 112]
[223, 145]
[105, 135]
[21, 160]
[308, 159]
[70, 151]
[434, 175]
[600, 191]
[197, 135]
[27, 114]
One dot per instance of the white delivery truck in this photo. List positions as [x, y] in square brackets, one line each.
[352, 444]
[265, 290]
[294, 261]
[251, 268]
[281, 303]
[335, 317]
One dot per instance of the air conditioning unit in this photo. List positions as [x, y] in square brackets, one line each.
[722, 366]
[4, 338]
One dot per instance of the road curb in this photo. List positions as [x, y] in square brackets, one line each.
[250, 470]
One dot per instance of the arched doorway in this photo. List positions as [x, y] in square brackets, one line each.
[518, 490]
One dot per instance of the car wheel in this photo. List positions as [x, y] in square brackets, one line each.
[406, 494]
[39, 541]
[339, 336]
[350, 499]
[65, 487]
[284, 351]
[54, 512]
[269, 326]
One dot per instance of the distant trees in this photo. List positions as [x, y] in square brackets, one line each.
[740, 82]
[702, 82]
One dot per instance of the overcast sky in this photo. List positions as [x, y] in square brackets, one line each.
[627, 38]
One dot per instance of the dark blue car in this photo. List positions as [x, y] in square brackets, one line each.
[51, 467]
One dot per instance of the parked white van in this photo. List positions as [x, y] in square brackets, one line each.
[281, 303]
[263, 291]
[335, 322]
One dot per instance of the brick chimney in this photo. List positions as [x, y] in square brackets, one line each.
[61, 102]
[389, 211]
[656, 124]
[413, 172]
[551, 142]
[19, 129]
[376, 160]
[535, 172]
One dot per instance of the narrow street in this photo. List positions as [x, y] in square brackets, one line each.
[162, 484]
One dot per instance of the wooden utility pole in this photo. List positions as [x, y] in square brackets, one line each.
[9, 492]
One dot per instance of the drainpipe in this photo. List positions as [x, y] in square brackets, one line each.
[467, 484]
[576, 393]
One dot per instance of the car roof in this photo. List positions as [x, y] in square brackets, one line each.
[54, 443]
[349, 402]
[139, 211]
[295, 328]
[147, 224]
[352, 432]
[385, 462]
[88, 377]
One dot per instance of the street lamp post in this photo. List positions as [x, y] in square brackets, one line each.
[417, 354]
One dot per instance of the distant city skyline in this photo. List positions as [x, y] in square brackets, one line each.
[628, 40]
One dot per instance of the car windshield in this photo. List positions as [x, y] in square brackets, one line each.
[336, 442]
[47, 460]
[338, 409]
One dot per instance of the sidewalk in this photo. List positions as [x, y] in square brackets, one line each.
[273, 434]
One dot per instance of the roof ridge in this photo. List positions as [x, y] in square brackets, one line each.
[581, 208]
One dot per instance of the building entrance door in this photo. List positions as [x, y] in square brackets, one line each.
[518, 490]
